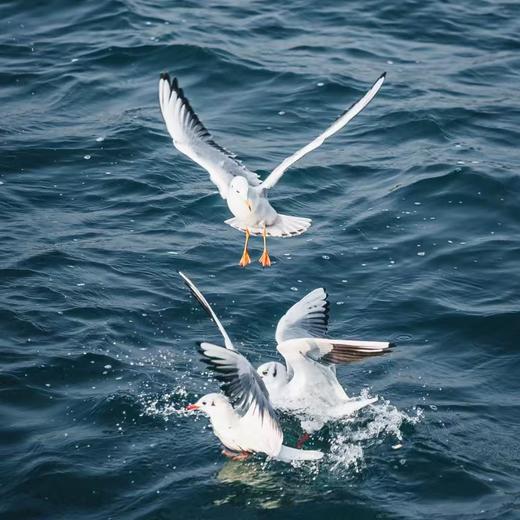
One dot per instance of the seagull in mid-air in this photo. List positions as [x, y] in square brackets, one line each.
[246, 195]
[243, 419]
[307, 384]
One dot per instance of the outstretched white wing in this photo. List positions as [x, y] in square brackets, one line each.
[207, 307]
[192, 139]
[300, 337]
[246, 392]
[308, 317]
[331, 350]
[342, 120]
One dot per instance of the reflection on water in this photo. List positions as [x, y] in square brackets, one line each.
[253, 474]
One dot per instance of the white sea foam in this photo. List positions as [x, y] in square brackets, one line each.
[380, 422]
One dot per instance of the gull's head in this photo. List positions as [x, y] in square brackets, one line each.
[273, 374]
[239, 188]
[211, 404]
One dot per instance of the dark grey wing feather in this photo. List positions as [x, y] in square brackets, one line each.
[336, 351]
[239, 380]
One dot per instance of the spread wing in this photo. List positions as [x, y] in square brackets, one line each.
[340, 122]
[300, 332]
[207, 307]
[192, 139]
[331, 350]
[245, 390]
[308, 317]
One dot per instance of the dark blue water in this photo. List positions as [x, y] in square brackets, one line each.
[415, 235]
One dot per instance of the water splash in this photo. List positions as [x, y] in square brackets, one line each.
[165, 405]
[351, 437]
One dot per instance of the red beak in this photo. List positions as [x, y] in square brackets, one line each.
[192, 407]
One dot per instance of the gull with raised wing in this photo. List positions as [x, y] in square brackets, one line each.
[307, 384]
[243, 419]
[245, 194]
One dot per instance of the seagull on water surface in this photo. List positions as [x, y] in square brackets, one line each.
[306, 384]
[246, 195]
[243, 419]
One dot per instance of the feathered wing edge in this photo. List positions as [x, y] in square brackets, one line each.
[239, 381]
[348, 351]
[338, 124]
[336, 351]
[197, 294]
[307, 317]
[193, 139]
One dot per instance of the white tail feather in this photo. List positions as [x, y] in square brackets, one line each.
[287, 454]
[284, 226]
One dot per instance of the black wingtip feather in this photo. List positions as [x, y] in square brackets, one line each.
[174, 85]
[350, 353]
[202, 130]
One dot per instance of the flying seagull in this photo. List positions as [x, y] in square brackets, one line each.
[307, 384]
[246, 195]
[243, 419]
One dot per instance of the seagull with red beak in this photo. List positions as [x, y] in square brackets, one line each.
[245, 194]
[243, 419]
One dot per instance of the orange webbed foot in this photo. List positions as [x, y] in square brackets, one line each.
[245, 260]
[265, 260]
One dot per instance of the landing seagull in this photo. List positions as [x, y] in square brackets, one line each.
[307, 384]
[243, 419]
[245, 194]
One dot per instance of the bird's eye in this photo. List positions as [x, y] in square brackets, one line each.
[204, 403]
[265, 372]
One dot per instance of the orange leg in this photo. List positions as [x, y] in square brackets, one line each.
[264, 259]
[245, 260]
[243, 455]
[302, 440]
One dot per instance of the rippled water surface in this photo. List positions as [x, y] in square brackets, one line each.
[415, 209]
